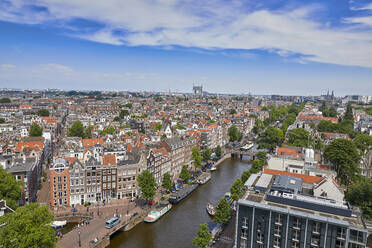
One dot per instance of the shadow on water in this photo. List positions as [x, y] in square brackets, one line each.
[178, 227]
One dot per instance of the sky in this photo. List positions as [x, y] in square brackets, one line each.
[289, 47]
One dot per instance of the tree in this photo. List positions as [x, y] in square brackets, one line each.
[218, 151]
[158, 127]
[108, 130]
[223, 211]
[88, 132]
[10, 189]
[185, 174]
[203, 237]
[167, 181]
[35, 130]
[299, 137]
[236, 189]
[5, 100]
[147, 183]
[256, 166]
[2, 120]
[234, 133]
[261, 155]
[232, 111]
[271, 138]
[349, 113]
[123, 113]
[344, 156]
[76, 130]
[363, 143]
[43, 112]
[360, 194]
[207, 154]
[28, 226]
[196, 156]
[117, 118]
[245, 175]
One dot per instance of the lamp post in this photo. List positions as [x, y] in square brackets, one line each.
[79, 239]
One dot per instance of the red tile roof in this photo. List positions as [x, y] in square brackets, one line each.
[288, 151]
[109, 159]
[305, 178]
[92, 142]
[35, 145]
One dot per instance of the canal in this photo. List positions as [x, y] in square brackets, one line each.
[178, 227]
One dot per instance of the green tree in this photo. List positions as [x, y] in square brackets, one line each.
[147, 183]
[261, 155]
[259, 125]
[232, 111]
[88, 132]
[27, 227]
[76, 130]
[256, 166]
[206, 154]
[236, 189]
[271, 138]
[349, 113]
[5, 100]
[363, 143]
[245, 175]
[203, 237]
[185, 174]
[2, 120]
[123, 113]
[318, 144]
[299, 137]
[35, 130]
[218, 151]
[167, 181]
[117, 118]
[196, 156]
[223, 211]
[344, 156]
[234, 133]
[108, 130]
[360, 194]
[158, 127]
[128, 105]
[43, 112]
[10, 189]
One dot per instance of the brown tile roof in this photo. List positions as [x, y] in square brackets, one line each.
[92, 142]
[109, 159]
[305, 178]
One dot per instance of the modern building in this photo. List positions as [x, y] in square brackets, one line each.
[284, 217]
[197, 90]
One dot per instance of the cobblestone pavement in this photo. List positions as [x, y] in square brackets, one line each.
[43, 192]
[96, 227]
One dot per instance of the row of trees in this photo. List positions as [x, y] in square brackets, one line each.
[328, 112]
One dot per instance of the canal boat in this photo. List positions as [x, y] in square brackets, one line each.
[178, 196]
[156, 214]
[204, 178]
[247, 147]
[58, 224]
[213, 168]
[210, 209]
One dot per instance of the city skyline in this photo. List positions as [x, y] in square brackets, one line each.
[287, 48]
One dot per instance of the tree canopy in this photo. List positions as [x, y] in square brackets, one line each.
[203, 237]
[207, 152]
[2, 120]
[123, 113]
[223, 211]
[167, 181]
[10, 189]
[196, 156]
[271, 138]
[234, 133]
[28, 227]
[363, 143]
[147, 183]
[344, 156]
[218, 151]
[236, 189]
[261, 155]
[299, 137]
[349, 113]
[43, 112]
[185, 174]
[5, 100]
[35, 130]
[77, 130]
[360, 194]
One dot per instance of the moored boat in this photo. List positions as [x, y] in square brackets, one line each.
[182, 193]
[213, 168]
[156, 214]
[58, 224]
[210, 209]
[204, 178]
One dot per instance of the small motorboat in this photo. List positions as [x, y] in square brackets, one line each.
[210, 209]
[213, 168]
[58, 224]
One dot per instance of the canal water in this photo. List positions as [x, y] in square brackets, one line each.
[178, 227]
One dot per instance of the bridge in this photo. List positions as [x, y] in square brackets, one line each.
[237, 153]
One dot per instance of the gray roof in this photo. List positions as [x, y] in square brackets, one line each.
[21, 165]
[283, 182]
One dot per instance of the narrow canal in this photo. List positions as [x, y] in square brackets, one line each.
[178, 227]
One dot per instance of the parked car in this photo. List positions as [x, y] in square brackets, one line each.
[74, 210]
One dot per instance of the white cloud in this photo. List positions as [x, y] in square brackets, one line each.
[210, 25]
[7, 67]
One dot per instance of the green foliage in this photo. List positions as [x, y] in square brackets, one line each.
[234, 133]
[158, 127]
[185, 174]
[203, 237]
[360, 194]
[328, 112]
[128, 105]
[223, 211]
[10, 189]
[256, 166]
[232, 111]
[344, 156]
[28, 227]
[291, 118]
[2, 120]
[5, 100]
[147, 183]
[368, 110]
[179, 126]
[259, 125]
[35, 130]
[271, 138]
[299, 137]
[349, 113]
[88, 132]
[43, 112]
[261, 155]
[117, 118]
[218, 151]
[108, 130]
[196, 156]
[123, 113]
[245, 175]
[363, 142]
[346, 126]
[236, 189]
[167, 181]
[76, 130]
[207, 152]
[318, 144]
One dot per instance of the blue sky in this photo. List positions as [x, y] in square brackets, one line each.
[290, 47]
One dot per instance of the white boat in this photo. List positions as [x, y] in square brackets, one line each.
[155, 215]
[204, 178]
[58, 224]
[210, 209]
[213, 168]
[247, 147]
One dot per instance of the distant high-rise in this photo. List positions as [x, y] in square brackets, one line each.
[197, 90]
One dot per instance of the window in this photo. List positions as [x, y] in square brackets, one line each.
[357, 236]
[276, 242]
[243, 243]
[296, 223]
[316, 227]
[340, 243]
[341, 233]
[295, 235]
[260, 237]
[88, 174]
[244, 233]
[277, 230]
[278, 219]
[295, 244]
[245, 222]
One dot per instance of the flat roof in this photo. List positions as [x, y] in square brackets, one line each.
[264, 181]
